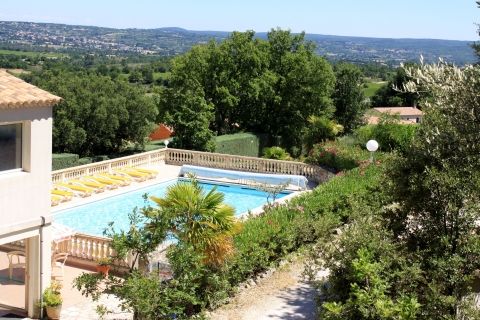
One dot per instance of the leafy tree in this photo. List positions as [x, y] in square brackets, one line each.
[135, 77]
[348, 96]
[147, 75]
[240, 83]
[98, 115]
[302, 87]
[184, 105]
[476, 45]
[437, 186]
[391, 94]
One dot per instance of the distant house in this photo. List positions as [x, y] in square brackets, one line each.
[25, 179]
[408, 115]
[161, 133]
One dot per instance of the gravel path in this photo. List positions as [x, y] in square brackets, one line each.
[284, 295]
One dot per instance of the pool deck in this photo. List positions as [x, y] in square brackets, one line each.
[166, 173]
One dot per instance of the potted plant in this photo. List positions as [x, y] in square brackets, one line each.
[103, 265]
[52, 300]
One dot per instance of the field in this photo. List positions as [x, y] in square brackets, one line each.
[372, 87]
[31, 53]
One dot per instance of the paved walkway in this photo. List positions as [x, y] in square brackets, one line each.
[284, 295]
[87, 310]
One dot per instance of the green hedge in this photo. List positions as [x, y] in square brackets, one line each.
[390, 136]
[242, 144]
[64, 160]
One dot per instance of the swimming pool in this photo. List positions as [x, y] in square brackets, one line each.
[92, 218]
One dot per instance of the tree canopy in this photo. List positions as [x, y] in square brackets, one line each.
[348, 97]
[389, 96]
[98, 115]
[245, 83]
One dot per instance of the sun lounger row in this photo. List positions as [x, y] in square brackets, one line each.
[88, 185]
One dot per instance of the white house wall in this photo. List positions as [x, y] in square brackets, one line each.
[25, 195]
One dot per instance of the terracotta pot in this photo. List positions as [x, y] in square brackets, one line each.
[54, 312]
[103, 269]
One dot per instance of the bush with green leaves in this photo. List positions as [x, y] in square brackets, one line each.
[276, 153]
[389, 133]
[337, 156]
[436, 184]
[409, 248]
[320, 129]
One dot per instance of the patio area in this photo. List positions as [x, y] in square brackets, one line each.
[75, 306]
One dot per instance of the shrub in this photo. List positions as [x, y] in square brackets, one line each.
[276, 153]
[320, 129]
[242, 144]
[85, 160]
[64, 160]
[337, 156]
[389, 135]
[282, 229]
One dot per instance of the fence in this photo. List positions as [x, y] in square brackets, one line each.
[206, 159]
[241, 163]
[149, 158]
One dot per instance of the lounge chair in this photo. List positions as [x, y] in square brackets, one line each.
[83, 191]
[95, 185]
[140, 176]
[63, 193]
[121, 179]
[55, 200]
[108, 183]
[150, 171]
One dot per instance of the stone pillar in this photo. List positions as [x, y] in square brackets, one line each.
[38, 269]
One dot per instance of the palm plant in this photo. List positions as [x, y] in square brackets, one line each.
[200, 219]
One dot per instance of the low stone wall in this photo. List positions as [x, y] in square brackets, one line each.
[250, 164]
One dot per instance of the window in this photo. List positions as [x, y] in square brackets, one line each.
[10, 146]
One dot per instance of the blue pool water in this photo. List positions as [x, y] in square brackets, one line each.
[93, 218]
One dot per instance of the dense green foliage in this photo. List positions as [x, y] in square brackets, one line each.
[276, 153]
[389, 133]
[98, 115]
[242, 144]
[348, 96]
[337, 156]
[390, 95]
[319, 129]
[410, 249]
[64, 160]
[247, 84]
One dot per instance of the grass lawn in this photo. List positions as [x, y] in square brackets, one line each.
[372, 87]
[161, 75]
[154, 145]
[17, 72]
[32, 53]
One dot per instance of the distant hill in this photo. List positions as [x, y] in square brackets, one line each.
[173, 41]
